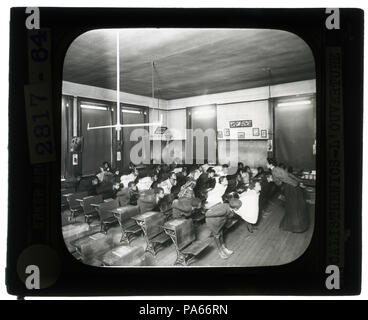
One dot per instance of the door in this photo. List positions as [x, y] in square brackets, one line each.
[295, 133]
[204, 146]
[97, 144]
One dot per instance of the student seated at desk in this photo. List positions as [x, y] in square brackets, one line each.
[250, 208]
[150, 200]
[228, 196]
[216, 194]
[116, 175]
[86, 184]
[224, 170]
[187, 190]
[121, 194]
[132, 176]
[155, 169]
[194, 173]
[104, 188]
[94, 183]
[217, 218]
[240, 167]
[100, 174]
[243, 180]
[232, 182]
[106, 166]
[204, 183]
[145, 183]
[133, 192]
[132, 166]
[164, 172]
[249, 171]
[185, 207]
[181, 177]
[155, 184]
[105, 173]
[167, 184]
[260, 175]
[175, 191]
[117, 187]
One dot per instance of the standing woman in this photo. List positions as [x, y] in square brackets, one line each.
[296, 217]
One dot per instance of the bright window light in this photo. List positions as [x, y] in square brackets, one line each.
[204, 113]
[130, 111]
[88, 106]
[294, 103]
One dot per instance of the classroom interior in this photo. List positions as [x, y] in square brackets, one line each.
[144, 92]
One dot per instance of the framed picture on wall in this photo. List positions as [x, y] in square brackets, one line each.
[263, 133]
[219, 134]
[241, 135]
[227, 132]
[240, 124]
[256, 132]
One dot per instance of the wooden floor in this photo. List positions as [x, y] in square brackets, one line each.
[266, 246]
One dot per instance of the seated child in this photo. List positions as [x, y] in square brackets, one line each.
[214, 196]
[149, 200]
[184, 207]
[217, 218]
[187, 190]
[133, 192]
[250, 199]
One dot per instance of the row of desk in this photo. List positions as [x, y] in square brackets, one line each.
[155, 227]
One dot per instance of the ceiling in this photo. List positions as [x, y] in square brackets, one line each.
[188, 62]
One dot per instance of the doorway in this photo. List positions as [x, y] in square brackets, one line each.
[97, 144]
[295, 132]
[204, 146]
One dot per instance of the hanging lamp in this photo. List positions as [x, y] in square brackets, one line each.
[118, 125]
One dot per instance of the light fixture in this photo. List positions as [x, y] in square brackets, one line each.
[88, 106]
[294, 103]
[118, 124]
[130, 111]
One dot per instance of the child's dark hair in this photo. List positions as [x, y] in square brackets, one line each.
[222, 178]
[158, 190]
[272, 161]
[210, 170]
[282, 165]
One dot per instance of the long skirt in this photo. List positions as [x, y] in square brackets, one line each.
[296, 218]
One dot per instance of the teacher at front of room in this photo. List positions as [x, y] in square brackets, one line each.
[296, 217]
